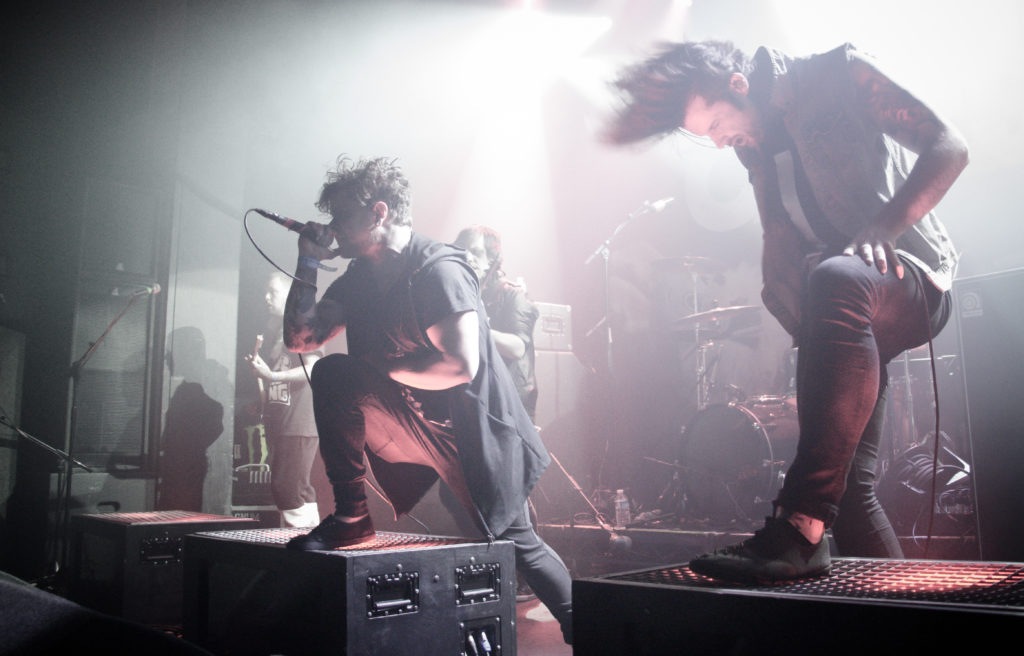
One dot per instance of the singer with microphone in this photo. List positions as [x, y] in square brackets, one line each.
[422, 392]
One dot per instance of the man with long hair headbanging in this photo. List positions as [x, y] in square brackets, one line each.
[855, 265]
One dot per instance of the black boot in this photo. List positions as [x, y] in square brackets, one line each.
[333, 533]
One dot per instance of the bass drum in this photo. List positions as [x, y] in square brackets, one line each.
[733, 458]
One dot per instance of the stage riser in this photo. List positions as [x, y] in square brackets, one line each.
[614, 616]
[402, 594]
[130, 565]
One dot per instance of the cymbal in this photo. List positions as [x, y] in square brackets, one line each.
[689, 264]
[715, 314]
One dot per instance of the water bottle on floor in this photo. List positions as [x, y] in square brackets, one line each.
[621, 509]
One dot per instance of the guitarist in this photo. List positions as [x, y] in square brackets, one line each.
[287, 407]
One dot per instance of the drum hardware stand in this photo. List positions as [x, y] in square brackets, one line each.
[672, 496]
[704, 375]
[900, 416]
[702, 323]
[741, 514]
[700, 359]
[907, 404]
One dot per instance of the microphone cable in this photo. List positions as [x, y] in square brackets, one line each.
[935, 396]
[252, 240]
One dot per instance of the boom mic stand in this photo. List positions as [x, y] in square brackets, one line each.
[67, 461]
[5, 421]
[63, 527]
[616, 542]
[604, 251]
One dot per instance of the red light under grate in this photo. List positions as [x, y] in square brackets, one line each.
[975, 583]
[159, 517]
[383, 541]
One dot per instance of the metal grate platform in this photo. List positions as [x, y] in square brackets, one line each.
[402, 593]
[995, 585]
[161, 517]
[383, 541]
[943, 605]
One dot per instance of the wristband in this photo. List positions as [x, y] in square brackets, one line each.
[273, 376]
[308, 262]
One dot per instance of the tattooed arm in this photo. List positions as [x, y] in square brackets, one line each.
[941, 151]
[308, 324]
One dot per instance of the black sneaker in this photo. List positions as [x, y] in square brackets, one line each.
[333, 533]
[777, 552]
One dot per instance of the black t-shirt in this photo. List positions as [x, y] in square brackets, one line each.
[393, 323]
[509, 310]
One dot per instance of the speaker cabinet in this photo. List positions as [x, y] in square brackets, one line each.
[990, 311]
[130, 564]
[114, 388]
[559, 387]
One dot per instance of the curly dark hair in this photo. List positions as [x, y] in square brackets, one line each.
[368, 181]
[655, 91]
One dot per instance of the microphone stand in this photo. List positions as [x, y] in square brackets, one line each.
[615, 540]
[604, 252]
[63, 527]
[5, 421]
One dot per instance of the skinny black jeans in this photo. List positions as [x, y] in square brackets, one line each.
[358, 408]
[855, 321]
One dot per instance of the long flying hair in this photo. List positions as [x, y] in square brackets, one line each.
[655, 92]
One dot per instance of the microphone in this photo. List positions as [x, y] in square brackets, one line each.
[139, 290]
[147, 290]
[290, 224]
[659, 205]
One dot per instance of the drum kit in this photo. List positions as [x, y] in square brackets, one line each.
[735, 449]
